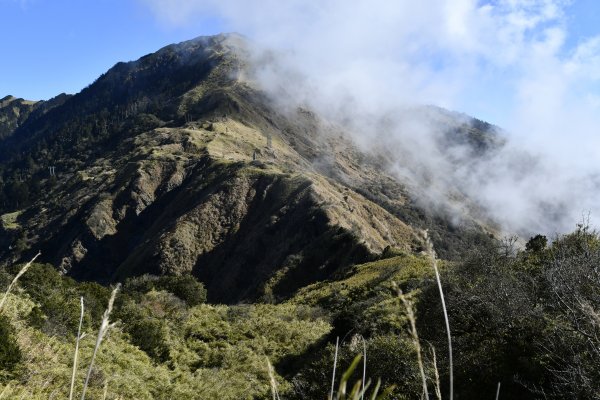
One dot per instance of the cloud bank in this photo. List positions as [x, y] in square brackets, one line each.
[507, 61]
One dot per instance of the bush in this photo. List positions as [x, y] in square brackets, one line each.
[10, 353]
[537, 243]
[146, 320]
[58, 298]
[186, 287]
[526, 318]
[149, 334]
[389, 358]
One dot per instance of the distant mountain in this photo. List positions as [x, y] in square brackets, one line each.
[176, 164]
[14, 112]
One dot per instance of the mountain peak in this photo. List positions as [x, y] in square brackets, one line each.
[185, 168]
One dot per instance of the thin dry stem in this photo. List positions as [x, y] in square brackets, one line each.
[498, 391]
[431, 253]
[76, 356]
[101, 333]
[438, 392]
[415, 338]
[4, 391]
[105, 390]
[364, 377]
[16, 278]
[272, 380]
[337, 343]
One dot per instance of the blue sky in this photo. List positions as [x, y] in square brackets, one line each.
[54, 46]
[529, 66]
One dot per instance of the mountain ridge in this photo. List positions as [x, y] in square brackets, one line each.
[174, 164]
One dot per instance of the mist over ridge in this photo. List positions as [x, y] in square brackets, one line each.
[361, 62]
[259, 196]
[527, 185]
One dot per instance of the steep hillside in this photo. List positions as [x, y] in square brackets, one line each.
[177, 164]
[13, 112]
[16, 112]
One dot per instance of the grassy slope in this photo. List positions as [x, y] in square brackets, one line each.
[213, 351]
[216, 352]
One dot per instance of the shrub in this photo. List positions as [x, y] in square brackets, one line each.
[537, 243]
[149, 334]
[10, 353]
[58, 300]
[186, 287]
[389, 358]
[146, 320]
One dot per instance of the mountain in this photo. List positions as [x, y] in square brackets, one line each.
[14, 112]
[177, 163]
[259, 245]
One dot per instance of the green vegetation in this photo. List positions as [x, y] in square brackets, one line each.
[162, 166]
[527, 319]
[161, 347]
[9, 221]
[10, 353]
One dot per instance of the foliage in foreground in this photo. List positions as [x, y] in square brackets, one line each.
[160, 348]
[525, 318]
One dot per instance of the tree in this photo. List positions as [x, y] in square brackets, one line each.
[536, 244]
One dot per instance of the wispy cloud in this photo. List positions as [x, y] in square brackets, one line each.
[25, 4]
[506, 60]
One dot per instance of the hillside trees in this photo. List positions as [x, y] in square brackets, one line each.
[528, 319]
[573, 278]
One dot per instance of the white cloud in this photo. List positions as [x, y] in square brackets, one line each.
[505, 57]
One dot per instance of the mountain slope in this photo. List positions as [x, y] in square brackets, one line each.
[175, 163]
[16, 112]
[13, 112]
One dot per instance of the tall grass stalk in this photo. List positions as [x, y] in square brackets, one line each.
[498, 391]
[376, 390]
[105, 393]
[272, 380]
[415, 338]
[76, 356]
[16, 278]
[438, 391]
[364, 377]
[337, 344]
[434, 262]
[101, 333]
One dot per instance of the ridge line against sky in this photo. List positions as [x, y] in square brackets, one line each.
[64, 45]
[529, 66]
[56, 46]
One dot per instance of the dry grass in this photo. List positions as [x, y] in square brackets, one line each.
[9, 221]
[434, 262]
[16, 278]
[101, 333]
[337, 345]
[272, 381]
[414, 337]
[438, 392]
[76, 356]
